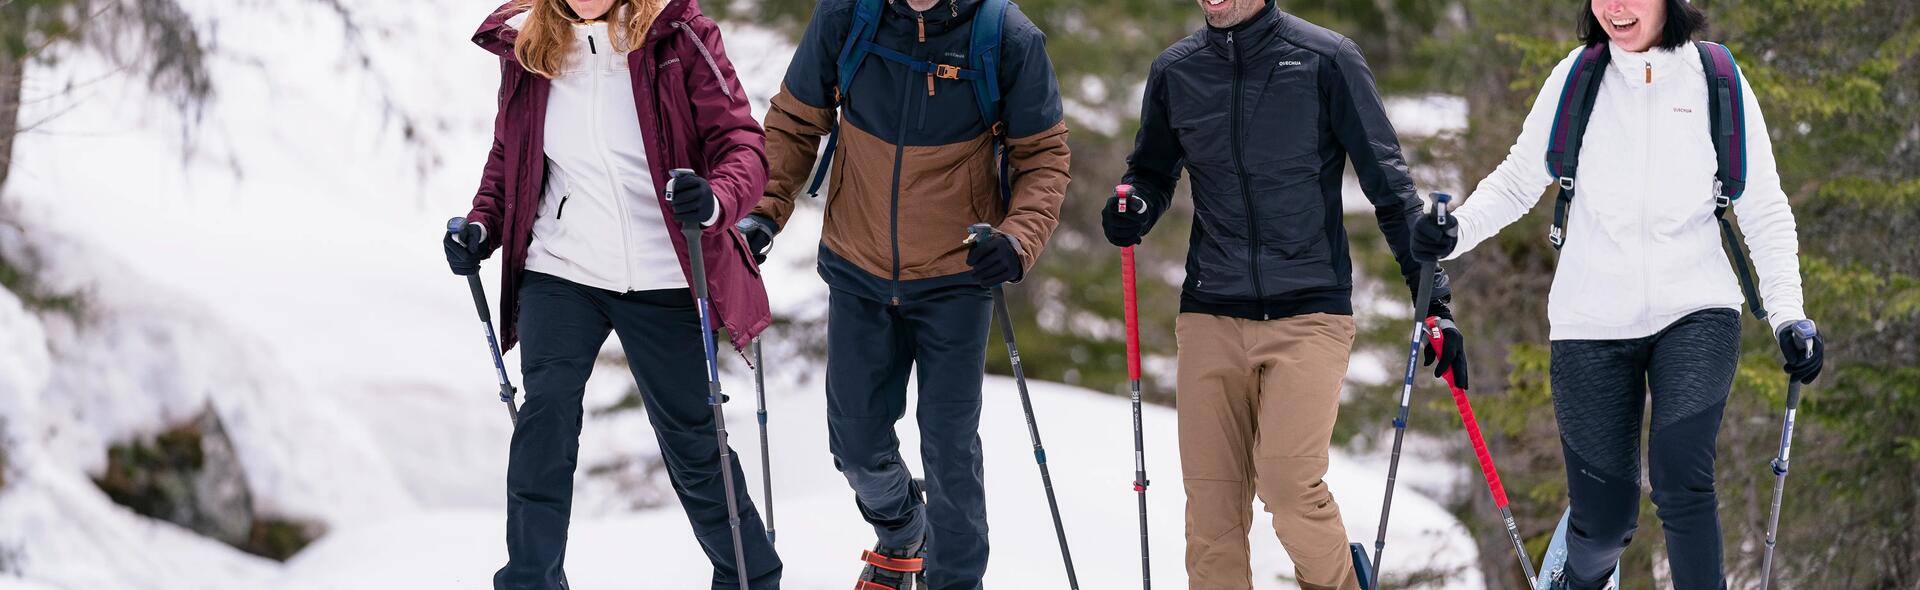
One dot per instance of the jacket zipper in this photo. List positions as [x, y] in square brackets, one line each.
[562, 210]
[1246, 193]
[1646, 188]
[613, 178]
[899, 155]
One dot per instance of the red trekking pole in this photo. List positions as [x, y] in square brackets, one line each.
[1125, 192]
[1480, 449]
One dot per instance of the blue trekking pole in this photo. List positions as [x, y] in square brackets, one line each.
[1422, 300]
[979, 233]
[486, 320]
[696, 260]
[1804, 331]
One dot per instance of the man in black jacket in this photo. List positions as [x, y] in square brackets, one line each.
[1263, 109]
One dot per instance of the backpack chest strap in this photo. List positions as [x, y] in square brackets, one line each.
[920, 66]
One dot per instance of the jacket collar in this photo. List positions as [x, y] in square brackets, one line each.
[1665, 62]
[497, 32]
[945, 15]
[1249, 35]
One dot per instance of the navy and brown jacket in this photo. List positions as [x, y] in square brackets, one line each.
[916, 162]
[1264, 116]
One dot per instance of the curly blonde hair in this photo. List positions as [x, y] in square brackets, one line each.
[542, 46]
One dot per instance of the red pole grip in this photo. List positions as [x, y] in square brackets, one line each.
[1132, 303]
[1473, 425]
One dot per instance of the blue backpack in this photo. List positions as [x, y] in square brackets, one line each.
[1727, 113]
[983, 57]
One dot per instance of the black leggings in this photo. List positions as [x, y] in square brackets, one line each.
[1600, 388]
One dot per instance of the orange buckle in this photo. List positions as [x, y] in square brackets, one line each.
[896, 564]
[946, 71]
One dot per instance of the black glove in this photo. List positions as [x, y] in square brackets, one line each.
[1454, 355]
[995, 260]
[465, 249]
[1804, 349]
[1125, 229]
[759, 232]
[692, 200]
[1430, 241]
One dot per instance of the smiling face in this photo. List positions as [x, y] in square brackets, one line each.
[1634, 25]
[1227, 13]
[590, 9]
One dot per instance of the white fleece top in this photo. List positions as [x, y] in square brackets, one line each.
[600, 221]
[1642, 247]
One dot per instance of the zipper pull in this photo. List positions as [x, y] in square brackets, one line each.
[929, 84]
[923, 27]
[591, 48]
[1649, 72]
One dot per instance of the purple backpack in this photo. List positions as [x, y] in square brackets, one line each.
[1727, 114]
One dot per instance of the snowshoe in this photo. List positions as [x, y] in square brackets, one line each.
[1362, 566]
[896, 568]
[1553, 567]
[893, 568]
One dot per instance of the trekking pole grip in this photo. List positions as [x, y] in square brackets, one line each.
[1442, 202]
[978, 233]
[1131, 295]
[1803, 332]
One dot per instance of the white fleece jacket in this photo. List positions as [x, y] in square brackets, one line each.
[600, 222]
[1642, 247]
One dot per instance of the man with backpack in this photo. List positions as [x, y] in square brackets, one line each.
[938, 114]
[1264, 109]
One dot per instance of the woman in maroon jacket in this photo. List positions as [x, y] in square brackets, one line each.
[598, 100]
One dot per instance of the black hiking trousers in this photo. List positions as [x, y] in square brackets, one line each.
[562, 325]
[1600, 390]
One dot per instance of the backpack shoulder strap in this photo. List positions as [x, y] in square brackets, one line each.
[853, 52]
[983, 56]
[1726, 108]
[866, 20]
[1569, 126]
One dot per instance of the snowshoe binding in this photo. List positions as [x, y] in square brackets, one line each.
[893, 568]
[896, 568]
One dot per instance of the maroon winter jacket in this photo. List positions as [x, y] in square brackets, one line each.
[693, 114]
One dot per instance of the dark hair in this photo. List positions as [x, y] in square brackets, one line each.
[1683, 22]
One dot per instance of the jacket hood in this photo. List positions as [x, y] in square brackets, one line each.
[497, 32]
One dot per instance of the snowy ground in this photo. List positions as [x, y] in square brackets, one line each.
[285, 275]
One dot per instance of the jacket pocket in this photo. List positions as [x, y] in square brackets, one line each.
[1290, 226]
[741, 248]
[1220, 269]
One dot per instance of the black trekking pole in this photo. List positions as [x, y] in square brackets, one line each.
[486, 320]
[1132, 301]
[1804, 331]
[979, 233]
[766, 461]
[1422, 300]
[695, 258]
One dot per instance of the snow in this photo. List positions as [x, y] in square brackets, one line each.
[284, 274]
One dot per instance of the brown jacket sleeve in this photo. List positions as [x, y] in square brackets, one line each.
[794, 130]
[1040, 178]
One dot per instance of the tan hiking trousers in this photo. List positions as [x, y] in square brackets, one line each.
[1257, 401]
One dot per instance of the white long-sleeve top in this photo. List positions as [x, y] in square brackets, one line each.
[1642, 246]
[600, 222]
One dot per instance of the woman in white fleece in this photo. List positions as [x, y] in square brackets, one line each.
[1644, 298]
